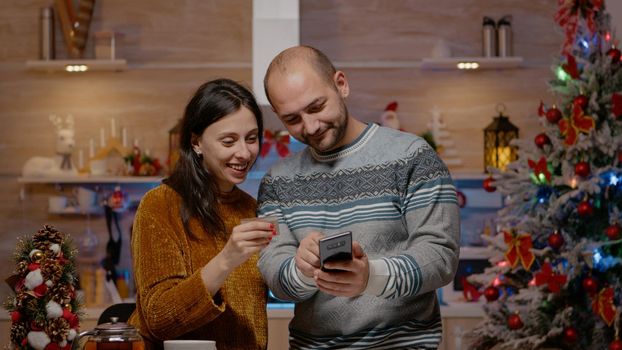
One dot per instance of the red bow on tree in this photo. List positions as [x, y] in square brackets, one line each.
[519, 248]
[281, 140]
[469, 291]
[579, 122]
[540, 168]
[570, 67]
[553, 281]
[603, 305]
[569, 14]
[616, 104]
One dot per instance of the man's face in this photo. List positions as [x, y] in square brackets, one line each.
[312, 110]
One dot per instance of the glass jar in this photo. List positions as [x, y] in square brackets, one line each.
[112, 336]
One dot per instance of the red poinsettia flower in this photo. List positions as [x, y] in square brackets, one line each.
[553, 281]
[541, 167]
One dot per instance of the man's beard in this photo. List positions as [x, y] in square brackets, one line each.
[338, 129]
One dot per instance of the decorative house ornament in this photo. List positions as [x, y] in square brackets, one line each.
[498, 152]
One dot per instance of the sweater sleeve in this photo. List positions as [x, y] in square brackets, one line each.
[172, 300]
[430, 208]
[277, 261]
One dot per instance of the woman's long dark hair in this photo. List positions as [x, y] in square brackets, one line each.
[196, 186]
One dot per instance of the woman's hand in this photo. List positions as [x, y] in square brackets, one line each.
[247, 239]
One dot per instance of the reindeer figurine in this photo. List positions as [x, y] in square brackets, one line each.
[60, 164]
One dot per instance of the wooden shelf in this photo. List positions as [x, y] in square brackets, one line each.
[86, 179]
[451, 63]
[91, 64]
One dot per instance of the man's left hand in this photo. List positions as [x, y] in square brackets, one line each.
[350, 280]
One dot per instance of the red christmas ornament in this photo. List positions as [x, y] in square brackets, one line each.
[614, 54]
[514, 322]
[616, 345]
[488, 186]
[613, 232]
[16, 316]
[582, 169]
[553, 115]
[581, 101]
[619, 156]
[541, 140]
[585, 209]
[590, 285]
[491, 293]
[571, 335]
[556, 240]
[52, 346]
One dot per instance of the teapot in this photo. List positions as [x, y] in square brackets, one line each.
[113, 335]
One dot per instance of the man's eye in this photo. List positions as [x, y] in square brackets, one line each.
[315, 109]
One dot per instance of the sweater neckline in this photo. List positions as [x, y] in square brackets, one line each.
[348, 149]
[231, 196]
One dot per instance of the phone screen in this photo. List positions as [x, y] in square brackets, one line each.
[336, 248]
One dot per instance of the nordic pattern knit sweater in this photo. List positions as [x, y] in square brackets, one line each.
[171, 300]
[396, 196]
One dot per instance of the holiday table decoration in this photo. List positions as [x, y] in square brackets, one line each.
[44, 310]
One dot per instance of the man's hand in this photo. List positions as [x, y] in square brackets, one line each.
[308, 254]
[351, 281]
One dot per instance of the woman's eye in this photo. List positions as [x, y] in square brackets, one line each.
[228, 142]
[251, 139]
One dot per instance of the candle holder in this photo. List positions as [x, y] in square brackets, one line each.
[498, 152]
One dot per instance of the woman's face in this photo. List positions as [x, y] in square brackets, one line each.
[229, 148]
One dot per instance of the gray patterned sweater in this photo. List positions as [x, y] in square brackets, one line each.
[396, 196]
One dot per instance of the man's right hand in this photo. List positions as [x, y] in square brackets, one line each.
[308, 254]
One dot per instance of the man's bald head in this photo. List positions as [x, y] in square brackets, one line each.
[290, 59]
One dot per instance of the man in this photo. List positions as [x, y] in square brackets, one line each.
[388, 187]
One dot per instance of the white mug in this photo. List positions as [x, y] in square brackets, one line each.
[87, 199]
[56, 204]
[189, 345]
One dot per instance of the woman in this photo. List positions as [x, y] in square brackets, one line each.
[194, 264]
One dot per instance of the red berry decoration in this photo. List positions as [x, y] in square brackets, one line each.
[585, 209]
[613, 232]
[582, 169]
[570, 335]
[541, 140]
[590, 285]
[491, 293]
[488, 186]
[614, 54]
[514, 322]
[553, 115]
[556, 240]
[616, 345]
[581, 101]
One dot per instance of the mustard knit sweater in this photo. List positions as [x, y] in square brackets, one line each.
[172, 301]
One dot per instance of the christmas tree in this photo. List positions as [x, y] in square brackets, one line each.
[44, 310]
[555, 280]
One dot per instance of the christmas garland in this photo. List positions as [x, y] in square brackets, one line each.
[44, 310]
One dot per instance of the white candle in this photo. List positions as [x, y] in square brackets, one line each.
[124, 136]
[80, 159]
[113, 128]
[135, 142]
[91, 148]
[102, 139]
[147, 152]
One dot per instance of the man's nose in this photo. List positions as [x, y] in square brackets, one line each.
[311, 125]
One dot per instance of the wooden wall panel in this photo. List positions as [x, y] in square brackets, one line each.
[406, 30]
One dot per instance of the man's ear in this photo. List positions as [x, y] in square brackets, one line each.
[341, 82]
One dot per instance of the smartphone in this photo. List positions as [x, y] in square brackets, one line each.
[335, 248]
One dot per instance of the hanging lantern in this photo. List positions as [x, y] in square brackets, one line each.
[173, 145]
[498, 152]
